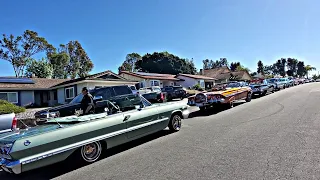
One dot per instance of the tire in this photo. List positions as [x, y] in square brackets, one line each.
[264, 93]
[272, 89]
[175, 123]
[249, 97]
[230, 105]
[88, 157]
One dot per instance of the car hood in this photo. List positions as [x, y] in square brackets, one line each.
[57, 108]
[22, 133]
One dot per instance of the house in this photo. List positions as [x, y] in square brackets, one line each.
[49, 92]
[190, 80]
[224, 74]
[150, 79]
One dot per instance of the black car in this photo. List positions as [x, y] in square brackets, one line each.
[104, 97]
[174, 92]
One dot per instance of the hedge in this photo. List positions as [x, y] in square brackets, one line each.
[7, 108]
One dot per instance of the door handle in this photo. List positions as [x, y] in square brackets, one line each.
[126, 118]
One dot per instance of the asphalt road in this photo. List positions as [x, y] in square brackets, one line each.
[272, 137]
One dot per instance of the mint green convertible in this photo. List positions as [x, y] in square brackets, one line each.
[85, 137]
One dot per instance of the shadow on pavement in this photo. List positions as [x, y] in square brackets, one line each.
[211, 111]
[59, 169]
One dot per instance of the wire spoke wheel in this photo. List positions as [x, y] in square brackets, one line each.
[91, 152]
[175, 123]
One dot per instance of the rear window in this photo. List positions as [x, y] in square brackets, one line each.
[122, 90]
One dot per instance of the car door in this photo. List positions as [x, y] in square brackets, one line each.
[139, 121]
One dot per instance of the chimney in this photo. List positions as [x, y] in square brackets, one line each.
[201, 72]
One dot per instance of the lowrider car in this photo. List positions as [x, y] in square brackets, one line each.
[233, 92]
[85, 137]
[261, 87]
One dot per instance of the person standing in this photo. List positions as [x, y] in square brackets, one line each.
[87, 101]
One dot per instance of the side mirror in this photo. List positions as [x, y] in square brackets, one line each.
[97, 98]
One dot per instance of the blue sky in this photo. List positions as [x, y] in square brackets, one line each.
[245, 31]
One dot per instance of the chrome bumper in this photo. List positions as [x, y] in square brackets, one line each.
[207, 103]
[10, 166]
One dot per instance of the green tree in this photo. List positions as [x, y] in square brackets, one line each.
[130, 63]
[269, 70]
[309, 68]
[301, 71]
[234, 66]
[292, 66]
[80, 64]
[260, 68]
[41, 68]
[206, 64]
[242, 68]
[18, 50]
[59, 62]
[166, 63]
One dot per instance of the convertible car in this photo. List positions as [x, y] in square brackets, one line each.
[85, 137]
[231, 92]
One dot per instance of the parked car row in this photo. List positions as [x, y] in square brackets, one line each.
[119, 116]
[226, 94]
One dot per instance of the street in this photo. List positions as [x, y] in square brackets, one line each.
[272, 137]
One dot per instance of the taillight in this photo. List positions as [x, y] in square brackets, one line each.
[161, 96]
[14, 123]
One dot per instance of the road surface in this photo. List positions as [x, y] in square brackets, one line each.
[273, 137]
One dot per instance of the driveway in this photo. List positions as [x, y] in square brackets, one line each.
[272, 137]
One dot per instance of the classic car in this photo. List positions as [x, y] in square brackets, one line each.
[233, 92]
[277, 84]
[85, 137]
[261, 87]
[153, 94]
[101, 95]
[174, 92]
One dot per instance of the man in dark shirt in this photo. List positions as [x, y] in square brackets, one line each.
[87, 102]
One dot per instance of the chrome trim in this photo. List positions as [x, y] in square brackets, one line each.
[10, 166]
[6, 130]
[46, 154]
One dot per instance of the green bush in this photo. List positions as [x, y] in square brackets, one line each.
[7, 108]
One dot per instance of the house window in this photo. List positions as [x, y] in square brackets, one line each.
[154, 83]
[9, 96]
[69, 93]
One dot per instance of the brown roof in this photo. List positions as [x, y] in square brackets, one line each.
[216, 72]
[197, 76]
[241, 74]
[226, 73]
[152, 76]
[108, 72]
[39, 83]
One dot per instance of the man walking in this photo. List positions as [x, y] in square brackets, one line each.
[87, 102]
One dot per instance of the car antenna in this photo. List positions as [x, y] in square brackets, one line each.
[58, 123]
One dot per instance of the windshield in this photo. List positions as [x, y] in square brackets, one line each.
[77, 99]
[232, 85]
[272, 80]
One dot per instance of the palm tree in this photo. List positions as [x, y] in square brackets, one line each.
[309, 68]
